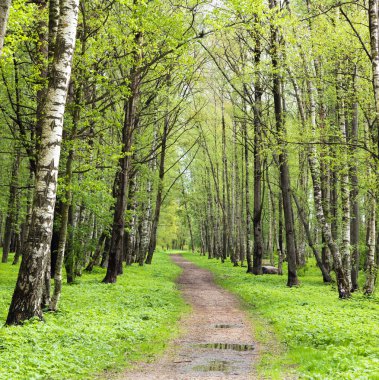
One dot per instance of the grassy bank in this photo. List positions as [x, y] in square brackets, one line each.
[99, 327]
[325, 338]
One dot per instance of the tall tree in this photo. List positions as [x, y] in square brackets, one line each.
[285, 184]
[26, 301]
[4, 14]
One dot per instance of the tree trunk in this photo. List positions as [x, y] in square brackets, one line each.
[247, 198]
[26, 301]
[121, 184]
[225, 213]
[285, 184]
[354, 201]
[371, 267]
[257, 212]
[344, 185]
[188, 216]
[159, 198]
[62, 234]
[371, 270]
[95, 259]
[325, 274]
[12, 205]
[4, 14]
[342, 283]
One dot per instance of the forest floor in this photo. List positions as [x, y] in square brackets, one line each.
[99, 329]
[217, 340]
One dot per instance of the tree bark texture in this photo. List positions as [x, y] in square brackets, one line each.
[10, 221]
[4, 14]
[257, 212]
[26, 301]
[121, 183]
[285, 184]
[159, 198]
[371, 267]
[62, 234]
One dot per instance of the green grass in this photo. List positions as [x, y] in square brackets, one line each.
[99, 326]
[324, 337]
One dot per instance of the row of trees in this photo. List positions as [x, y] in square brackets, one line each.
[297, 87]
[252, 127]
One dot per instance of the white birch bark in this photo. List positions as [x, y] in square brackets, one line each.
[27, 296]
[371, 270]
[314, 166]
[374, 43]
[345, 191]
[4, 14]
[373, 9]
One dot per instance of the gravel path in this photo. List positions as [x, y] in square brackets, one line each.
[216, 342]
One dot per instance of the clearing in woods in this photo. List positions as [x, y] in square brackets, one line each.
[217, 340]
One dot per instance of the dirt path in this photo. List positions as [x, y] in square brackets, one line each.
[217, 342]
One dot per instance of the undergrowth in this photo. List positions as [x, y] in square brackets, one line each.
[326, 338]
[99, 326]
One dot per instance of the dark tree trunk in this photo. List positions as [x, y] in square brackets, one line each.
[70, 257]
[285, 184]
[95, 259]
[159, 198]
[10, 221]
[121, 184]
[325, 193]
[257, 213]
[247, 199]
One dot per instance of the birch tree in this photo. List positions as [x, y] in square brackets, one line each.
[371, 270]
[4, 14]
[26, 301]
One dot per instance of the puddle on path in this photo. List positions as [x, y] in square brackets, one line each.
[228, 346]
[214, 365]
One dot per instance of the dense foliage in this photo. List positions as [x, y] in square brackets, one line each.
[246, 130]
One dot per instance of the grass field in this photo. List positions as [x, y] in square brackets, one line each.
[323, 337]
[99, 326]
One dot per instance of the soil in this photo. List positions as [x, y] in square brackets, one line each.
[216, 342]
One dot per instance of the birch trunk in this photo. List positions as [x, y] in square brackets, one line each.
[4, 14]
[325, 274]
[314, 166]
[354, 202]
[26, 301]
[344, 185]
[371, 268]
[62, 234]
